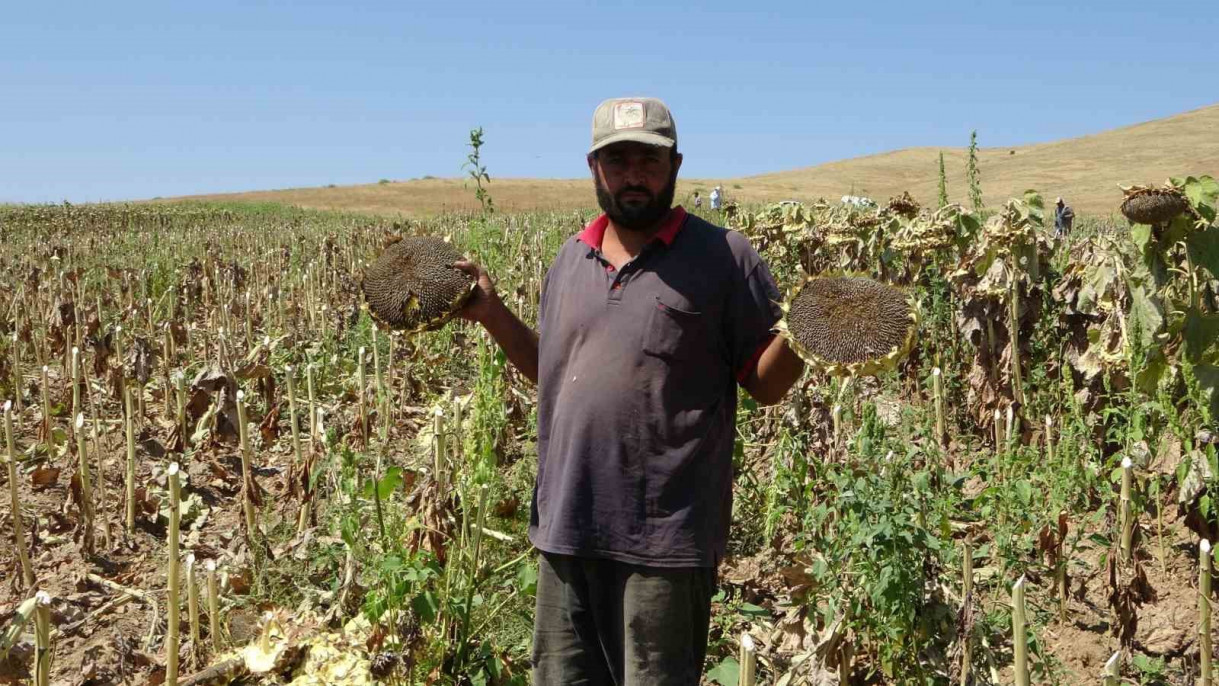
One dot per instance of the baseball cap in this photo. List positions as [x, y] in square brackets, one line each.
[642, 120]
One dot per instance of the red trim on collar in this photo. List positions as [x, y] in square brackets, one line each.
[673, 223]
[594, 233]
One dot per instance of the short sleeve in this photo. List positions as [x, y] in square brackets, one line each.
[542, 302]
[752, 312]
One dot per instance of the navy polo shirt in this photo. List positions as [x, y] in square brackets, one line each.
[637, 376]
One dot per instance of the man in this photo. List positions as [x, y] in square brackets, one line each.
[649, 319]
[717, 197]
[1064, 217]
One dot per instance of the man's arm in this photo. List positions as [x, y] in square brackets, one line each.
[518, 341]
[776, 371]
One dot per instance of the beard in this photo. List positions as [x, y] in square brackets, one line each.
[636, 216]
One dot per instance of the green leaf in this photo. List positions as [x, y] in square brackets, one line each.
[751, 610]
[1203, 195]
[1182, 225]
[390, 482]
[1141, 235]
[1203, 249]
[426, 606]
[726, 673]
[1148, 377]
[527, 579]
[1145, 315]
[1208, 382]
[1201, 332]
[1033, 199]
[348, 533]
[1024, 491]
[494, 667]
[386, 486]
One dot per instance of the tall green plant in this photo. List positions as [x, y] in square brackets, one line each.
[943, 200]
[477, 171]
[972, 173]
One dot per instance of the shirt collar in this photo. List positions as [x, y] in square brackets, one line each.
[594, 233]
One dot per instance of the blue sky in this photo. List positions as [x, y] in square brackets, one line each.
[126, 100]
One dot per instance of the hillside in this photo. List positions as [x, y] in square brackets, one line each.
[1086, 171]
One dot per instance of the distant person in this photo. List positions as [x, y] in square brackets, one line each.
[716, 198]
[1064, 217]
[698, 200]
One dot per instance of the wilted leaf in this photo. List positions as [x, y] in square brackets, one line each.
[44, 477]
[1168, 456]
[1193, 473]
[152, 447]
[141, 360]
[269, 428]
[148, 503]
[253, 371]
[1095, 289]
[507, 507]
[203, 428]
[239, 580]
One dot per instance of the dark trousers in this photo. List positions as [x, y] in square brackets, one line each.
[601, 622]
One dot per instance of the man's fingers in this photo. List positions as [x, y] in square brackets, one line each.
[467, 267]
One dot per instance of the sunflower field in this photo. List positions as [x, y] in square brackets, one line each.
[219, 468]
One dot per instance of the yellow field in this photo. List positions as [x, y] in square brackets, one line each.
[1086, 171]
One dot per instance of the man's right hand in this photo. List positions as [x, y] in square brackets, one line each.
[483, 302]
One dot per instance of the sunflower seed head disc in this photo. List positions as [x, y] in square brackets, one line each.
[1144, 205]
[849, 325]
[413, 285]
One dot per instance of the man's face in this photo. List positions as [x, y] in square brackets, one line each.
[635, 183]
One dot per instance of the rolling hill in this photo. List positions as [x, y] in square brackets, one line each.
[1086, 171]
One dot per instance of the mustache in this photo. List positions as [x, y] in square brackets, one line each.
[634, 189]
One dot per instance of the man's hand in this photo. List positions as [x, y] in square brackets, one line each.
[485, 299]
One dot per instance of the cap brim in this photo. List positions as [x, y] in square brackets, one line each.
[645, 137]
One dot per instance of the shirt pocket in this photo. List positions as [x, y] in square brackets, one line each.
[676, 329]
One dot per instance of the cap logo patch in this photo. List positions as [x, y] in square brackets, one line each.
[628, 115]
